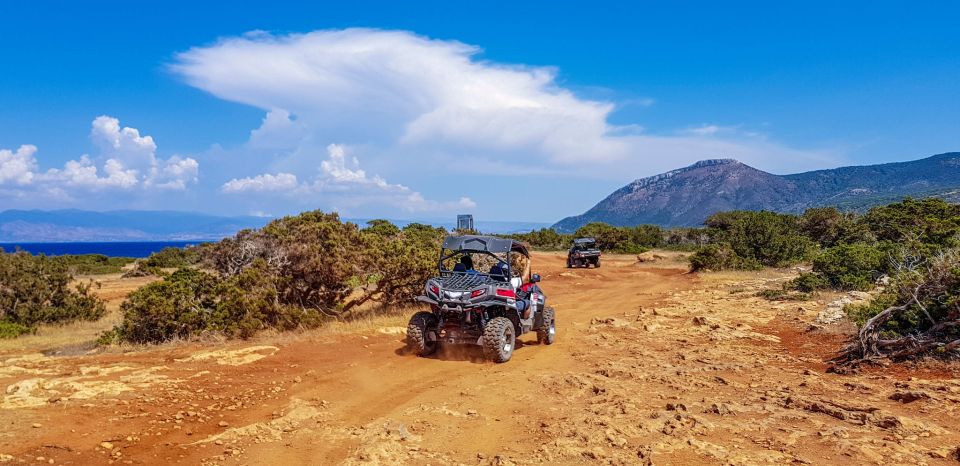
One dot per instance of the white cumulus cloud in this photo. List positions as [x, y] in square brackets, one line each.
[341, 181]
[18, 167]
[125, 161]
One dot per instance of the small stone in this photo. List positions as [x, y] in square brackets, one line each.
[471, 412]
[223, 424]
[106, 445]
[37, 425]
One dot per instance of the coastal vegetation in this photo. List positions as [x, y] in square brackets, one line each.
[38, 290]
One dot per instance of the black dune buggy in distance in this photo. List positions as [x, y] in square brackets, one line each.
[484, 294]
[583, 253]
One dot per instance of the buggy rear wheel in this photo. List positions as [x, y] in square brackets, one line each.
[597, 263]
[418, 331]
[499, 340]
[547, 333]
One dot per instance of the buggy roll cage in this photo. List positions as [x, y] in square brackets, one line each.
[488, 245]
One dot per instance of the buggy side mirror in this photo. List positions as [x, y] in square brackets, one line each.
[535, 278]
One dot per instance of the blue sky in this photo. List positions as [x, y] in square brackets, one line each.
[453, 106]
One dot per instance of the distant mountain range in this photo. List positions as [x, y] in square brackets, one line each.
[687, 196]
[72, 225]
[40, 226]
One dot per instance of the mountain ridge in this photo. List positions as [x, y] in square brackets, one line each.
[688, 195]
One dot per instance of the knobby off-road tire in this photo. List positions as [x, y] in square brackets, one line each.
[597, 264]
[547, 332]
[499, 340]
[420, 324]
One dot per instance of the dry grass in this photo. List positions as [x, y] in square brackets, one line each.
[112, 289]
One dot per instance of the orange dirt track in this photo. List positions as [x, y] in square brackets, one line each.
[651, 365]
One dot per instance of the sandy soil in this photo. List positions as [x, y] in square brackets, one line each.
[651, 365]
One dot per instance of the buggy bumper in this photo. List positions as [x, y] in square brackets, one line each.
[461, 306]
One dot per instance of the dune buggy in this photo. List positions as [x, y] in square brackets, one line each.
[583, 253]
[483, 294]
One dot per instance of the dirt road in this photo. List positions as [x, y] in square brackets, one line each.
[651, 365]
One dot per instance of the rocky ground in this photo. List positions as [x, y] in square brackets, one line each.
[652, 365]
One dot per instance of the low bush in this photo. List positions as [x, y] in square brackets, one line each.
[829, 227]
[171, 257]
[624, 240]
[749, 240]
[714, 257]
[917, 314]
[12, 330]
[192, 302]
[784, 295]
[927, 224]
[808, 282]
[93, 264]
[39, 290]
[544, 239]
[295, 272]
[852, 266]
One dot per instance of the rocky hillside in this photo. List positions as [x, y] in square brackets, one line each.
[687, 196]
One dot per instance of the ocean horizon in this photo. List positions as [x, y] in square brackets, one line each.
[135, 249]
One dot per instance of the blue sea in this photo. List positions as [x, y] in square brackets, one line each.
[113, 249]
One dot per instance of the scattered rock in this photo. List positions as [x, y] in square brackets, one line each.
[909, 396]
[649, 257]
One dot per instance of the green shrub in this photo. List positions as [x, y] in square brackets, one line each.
[783, 295]
[851, 266]
[12, 330]
[829, 227]
[931, 292]
[931, 222]
[623, 240]
[171, 257]
[750, 240]
[808, 282]
[544, 239]
[714, 257]
[38, 289]
[295, 272]
[93, 264]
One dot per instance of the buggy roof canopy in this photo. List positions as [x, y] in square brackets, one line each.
[584, 240]
[483, 243]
